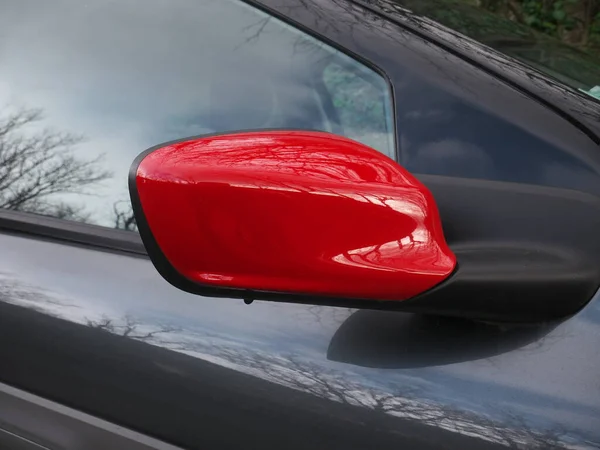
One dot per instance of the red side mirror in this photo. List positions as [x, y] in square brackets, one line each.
[288, 215]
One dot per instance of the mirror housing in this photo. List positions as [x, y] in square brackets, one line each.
[297, 216]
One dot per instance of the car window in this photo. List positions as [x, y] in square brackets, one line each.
[86, 86]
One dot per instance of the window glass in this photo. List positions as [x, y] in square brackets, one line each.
[86, 86]
[360, 105]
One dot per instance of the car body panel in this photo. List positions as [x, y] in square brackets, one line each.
[29, 422]
[127, 347]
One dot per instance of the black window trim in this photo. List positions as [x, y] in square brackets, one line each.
[77, 233]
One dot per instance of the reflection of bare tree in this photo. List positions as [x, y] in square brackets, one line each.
[400, 400]
[36, 164]
[130, 327]
[123, 217]
[305, 375]
[321, 314]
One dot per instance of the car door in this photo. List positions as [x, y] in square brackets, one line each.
[98, 351]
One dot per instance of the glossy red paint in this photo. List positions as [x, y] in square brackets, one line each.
[294, 212]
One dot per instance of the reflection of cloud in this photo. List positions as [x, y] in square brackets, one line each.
[17, 292]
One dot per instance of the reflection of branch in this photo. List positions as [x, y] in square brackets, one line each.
[337, 315]
[123, 217]
[260, 26]
[128, 328]
[35, 164]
